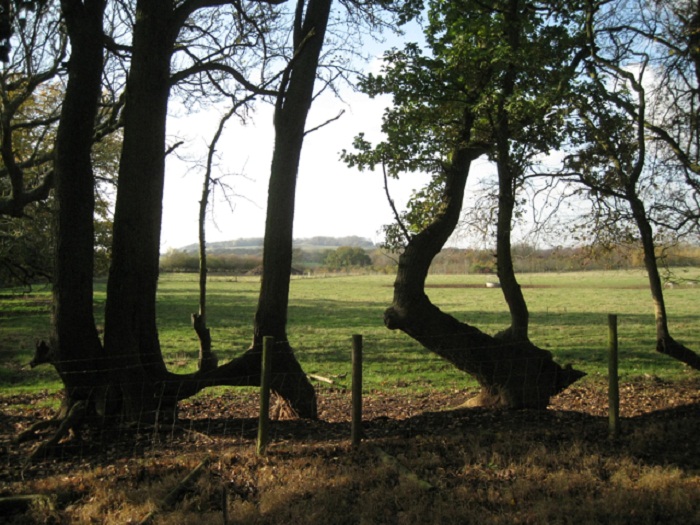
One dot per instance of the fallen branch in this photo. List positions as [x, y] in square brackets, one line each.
[178, 491]
[321, 378]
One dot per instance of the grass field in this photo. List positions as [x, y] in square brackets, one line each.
[568, 317]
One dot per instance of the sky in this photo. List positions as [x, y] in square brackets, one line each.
[331, 200]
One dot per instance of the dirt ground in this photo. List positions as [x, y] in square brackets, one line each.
[659, 429]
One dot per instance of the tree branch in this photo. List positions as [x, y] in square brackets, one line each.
[342, 112]
[400, 223]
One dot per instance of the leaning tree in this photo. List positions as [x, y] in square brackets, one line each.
[450, 108]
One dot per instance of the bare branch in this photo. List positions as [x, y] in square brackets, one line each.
[342, 112]
[397, 216]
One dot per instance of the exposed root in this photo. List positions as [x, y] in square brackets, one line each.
[71, 421]
[678, 351]
[31, 432]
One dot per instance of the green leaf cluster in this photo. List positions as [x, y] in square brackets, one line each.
[508, 64]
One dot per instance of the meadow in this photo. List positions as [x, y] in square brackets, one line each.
[422, 460]
[568, 317]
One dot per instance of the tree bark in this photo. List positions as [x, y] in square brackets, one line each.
[665, 344]
[513, 294]
[131, 337]
[77, 350]
[293, 103]
[129, 377]
[207, 360]
[513, 374]
[509, 172]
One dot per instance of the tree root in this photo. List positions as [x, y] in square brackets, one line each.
[31, 432]
[71, 421]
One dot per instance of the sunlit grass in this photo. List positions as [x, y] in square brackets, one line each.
[568, 317]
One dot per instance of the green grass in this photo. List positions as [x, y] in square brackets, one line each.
[568, 317]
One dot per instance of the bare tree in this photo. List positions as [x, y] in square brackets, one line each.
[614, 159]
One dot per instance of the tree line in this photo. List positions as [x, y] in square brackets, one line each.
[343, 257]
[587, 111]
[459, 261]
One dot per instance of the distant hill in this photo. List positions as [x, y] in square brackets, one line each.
[254, 245]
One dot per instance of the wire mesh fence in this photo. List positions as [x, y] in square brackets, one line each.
[212, 402]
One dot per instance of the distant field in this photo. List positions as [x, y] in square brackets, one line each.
[568, 317]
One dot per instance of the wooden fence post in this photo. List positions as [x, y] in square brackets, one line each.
[613, 383]
[356, 428]
[264, 419]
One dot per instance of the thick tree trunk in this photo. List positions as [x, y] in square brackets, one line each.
[511, 374]
[130, 378]
[514, 374]
[77, 350]
[131, 337]
[664, 342]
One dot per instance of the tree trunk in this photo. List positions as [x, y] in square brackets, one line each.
[130, 378]
[508, 173]
[514, 374]
[293, 105]
[131, 336]
[664, 342]
[513, 294]
[207, 360]
[77, 350]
